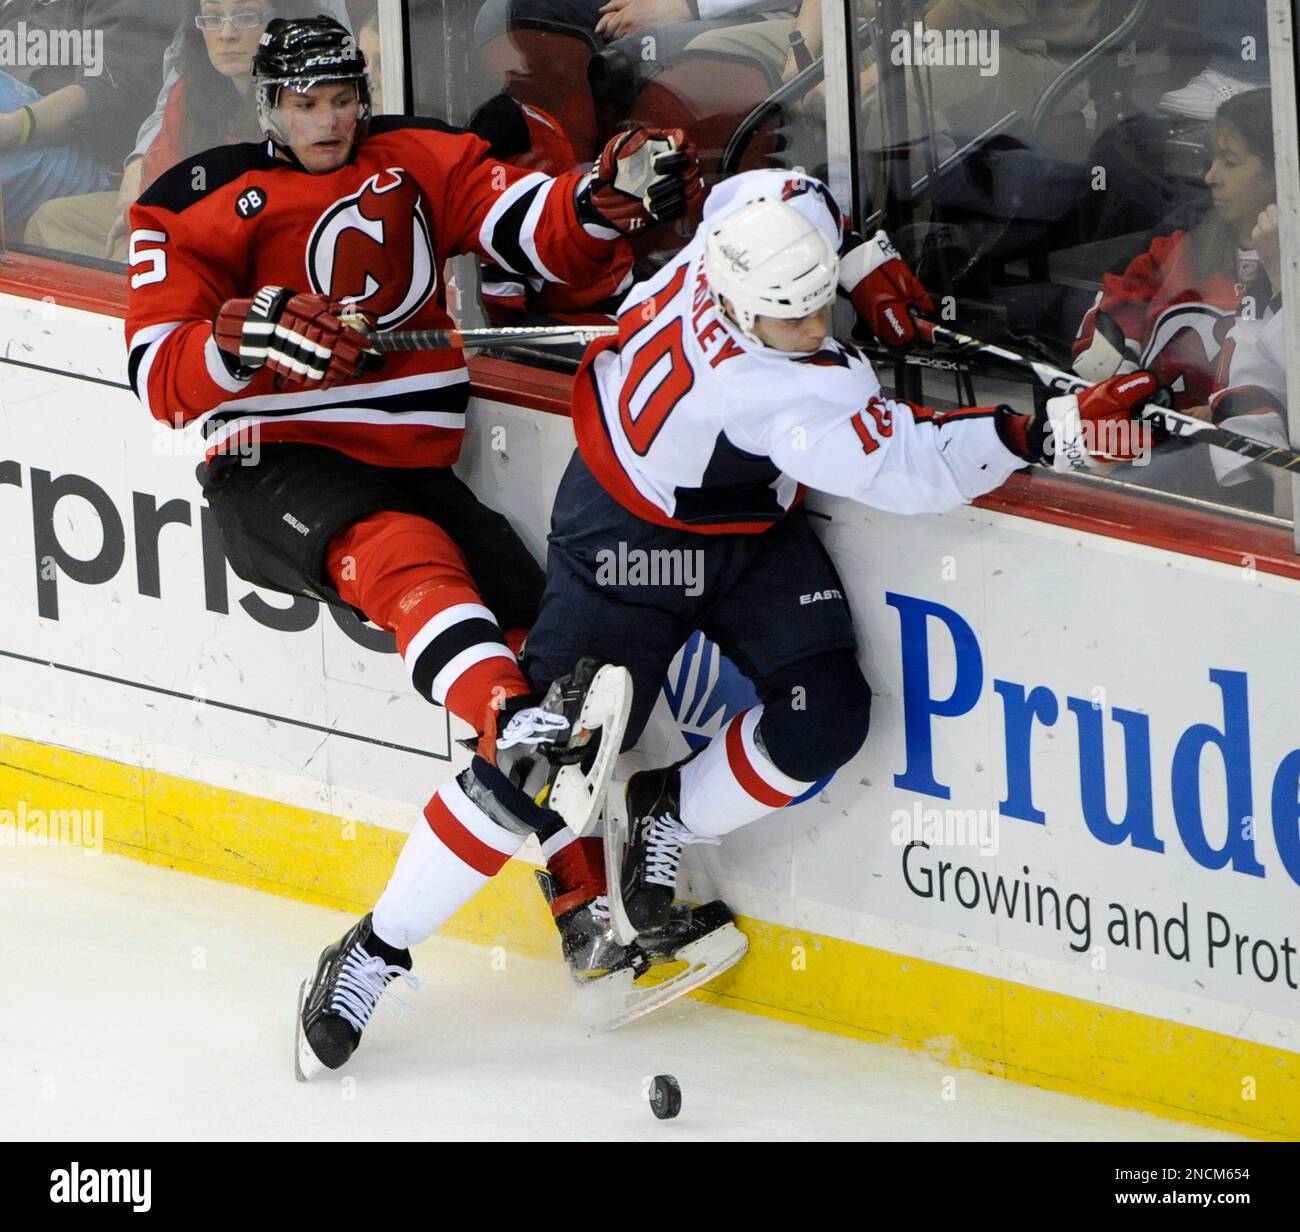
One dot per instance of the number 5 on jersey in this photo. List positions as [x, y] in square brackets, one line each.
[152, 262]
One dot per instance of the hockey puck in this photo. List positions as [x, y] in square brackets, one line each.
[665, 1097]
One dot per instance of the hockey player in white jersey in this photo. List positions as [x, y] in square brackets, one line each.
[699, 427]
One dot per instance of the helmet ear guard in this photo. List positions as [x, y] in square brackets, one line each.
[767, 259]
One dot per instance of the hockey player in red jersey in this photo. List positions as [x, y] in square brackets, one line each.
[698, 427]
[329, 472]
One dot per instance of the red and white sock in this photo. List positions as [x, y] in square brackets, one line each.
[577, 866]
[733, 782]
[446, 860]
[457, 655]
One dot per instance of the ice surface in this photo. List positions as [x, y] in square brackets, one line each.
[143, 1003]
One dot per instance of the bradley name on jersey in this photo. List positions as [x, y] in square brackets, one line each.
[374, 233]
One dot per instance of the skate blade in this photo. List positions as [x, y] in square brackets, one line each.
[577, 795]
[306, 1065]
[618, 1000]
[615, 842]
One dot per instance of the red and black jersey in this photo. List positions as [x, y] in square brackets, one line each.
[1172, 321]
[533, 139]
[376, 232]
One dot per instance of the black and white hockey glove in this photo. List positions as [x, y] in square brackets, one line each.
[298, 337]
[644, 176]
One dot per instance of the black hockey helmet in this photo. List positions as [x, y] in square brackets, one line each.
[302, 53]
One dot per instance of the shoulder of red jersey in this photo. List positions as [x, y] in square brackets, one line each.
[213, 169]
[210, 171]
[383, 124]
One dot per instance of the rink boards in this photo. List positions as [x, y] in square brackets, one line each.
[1069, 853]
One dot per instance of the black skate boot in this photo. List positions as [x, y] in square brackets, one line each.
[697, 945]
[560, 748]
[334, 1007]
[587, 939]
[686, 925]
[655, 838]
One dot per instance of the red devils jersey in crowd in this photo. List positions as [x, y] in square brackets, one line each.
[506, 296]
[377, 233]
[1173, 322]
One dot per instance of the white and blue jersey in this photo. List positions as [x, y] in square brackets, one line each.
[687, 423]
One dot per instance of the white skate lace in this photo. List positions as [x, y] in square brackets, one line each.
[599, 907]
[532, 726]
[664, 849]
[362, 984]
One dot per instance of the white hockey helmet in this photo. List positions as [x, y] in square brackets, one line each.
[769, 260]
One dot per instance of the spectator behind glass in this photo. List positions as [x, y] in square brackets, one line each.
[64, 124]
[1037, 41]
[210, 103]
[544, 49]
[1237, 31]
[1163, 312]
[530, 138]
[1172, 308]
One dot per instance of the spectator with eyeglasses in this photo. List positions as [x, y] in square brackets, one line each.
[66, 115]
[208, 102]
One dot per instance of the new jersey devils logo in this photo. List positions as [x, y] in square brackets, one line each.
[1184, 348]
[373, 249]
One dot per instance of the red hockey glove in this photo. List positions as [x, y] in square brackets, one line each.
[299, 337]
[1085, 429]
[644, 176]
[884, 290]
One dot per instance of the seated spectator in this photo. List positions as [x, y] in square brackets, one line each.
[1237, 30]
[210, 105]
[1162, 311]
[210, 102]
[1174, 305]
[544, 50]
[1251, 379]
[1037, 41]
[62, 123]
[527, 137]
[530, 138]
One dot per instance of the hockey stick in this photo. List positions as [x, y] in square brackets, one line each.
[473, 339]
[961, 345]
[1173, 422]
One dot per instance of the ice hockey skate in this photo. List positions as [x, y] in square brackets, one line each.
[587, 939]
[335, 1006]
[619, 983]
[643, 851]
[561, 750]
